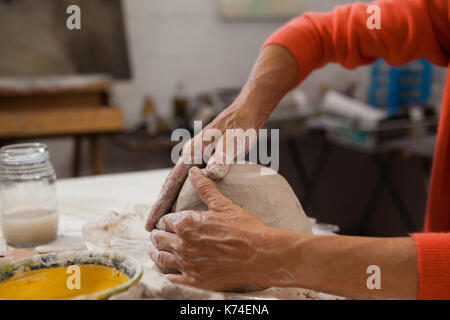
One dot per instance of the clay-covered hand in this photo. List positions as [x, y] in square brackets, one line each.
[273, 75]
[234, 117]
[221, 249]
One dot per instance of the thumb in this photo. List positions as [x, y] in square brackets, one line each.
[207, 190]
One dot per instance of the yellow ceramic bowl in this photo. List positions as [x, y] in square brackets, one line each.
[68, 275]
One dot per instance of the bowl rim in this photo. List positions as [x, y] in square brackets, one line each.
[108, 258]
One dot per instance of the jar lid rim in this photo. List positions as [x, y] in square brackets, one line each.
[24, 153]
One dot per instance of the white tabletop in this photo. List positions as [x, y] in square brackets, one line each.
[82, 199]
[86, 198]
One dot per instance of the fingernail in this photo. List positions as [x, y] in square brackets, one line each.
[195, 172]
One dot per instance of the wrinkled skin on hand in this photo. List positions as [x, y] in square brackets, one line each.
[218, 165]
[221, 249]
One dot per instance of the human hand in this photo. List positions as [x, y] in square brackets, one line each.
[221, 249]
[273, 75]
[234, 117]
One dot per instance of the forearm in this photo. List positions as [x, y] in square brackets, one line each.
[273, 75]
[338, 265]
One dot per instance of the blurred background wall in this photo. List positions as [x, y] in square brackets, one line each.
[178, 40]
[167, 42]
[35, 41]
[186, 41]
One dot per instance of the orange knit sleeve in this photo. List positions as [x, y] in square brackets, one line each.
[433, 255]
[342, 36]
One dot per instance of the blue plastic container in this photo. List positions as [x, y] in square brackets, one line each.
[394, 87]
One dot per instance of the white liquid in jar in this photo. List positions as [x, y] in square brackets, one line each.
[30, 227]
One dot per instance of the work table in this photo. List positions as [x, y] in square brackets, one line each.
[87, 198]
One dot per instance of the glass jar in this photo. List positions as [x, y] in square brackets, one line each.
[27, 195]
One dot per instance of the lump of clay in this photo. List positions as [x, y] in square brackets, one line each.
[269, 197]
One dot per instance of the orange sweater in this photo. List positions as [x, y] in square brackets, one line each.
[410, 29]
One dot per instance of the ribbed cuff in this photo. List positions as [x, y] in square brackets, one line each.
[433, 260]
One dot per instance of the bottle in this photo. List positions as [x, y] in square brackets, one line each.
[417, 117]
[151, 120]
[180, 104]
[28, 195]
